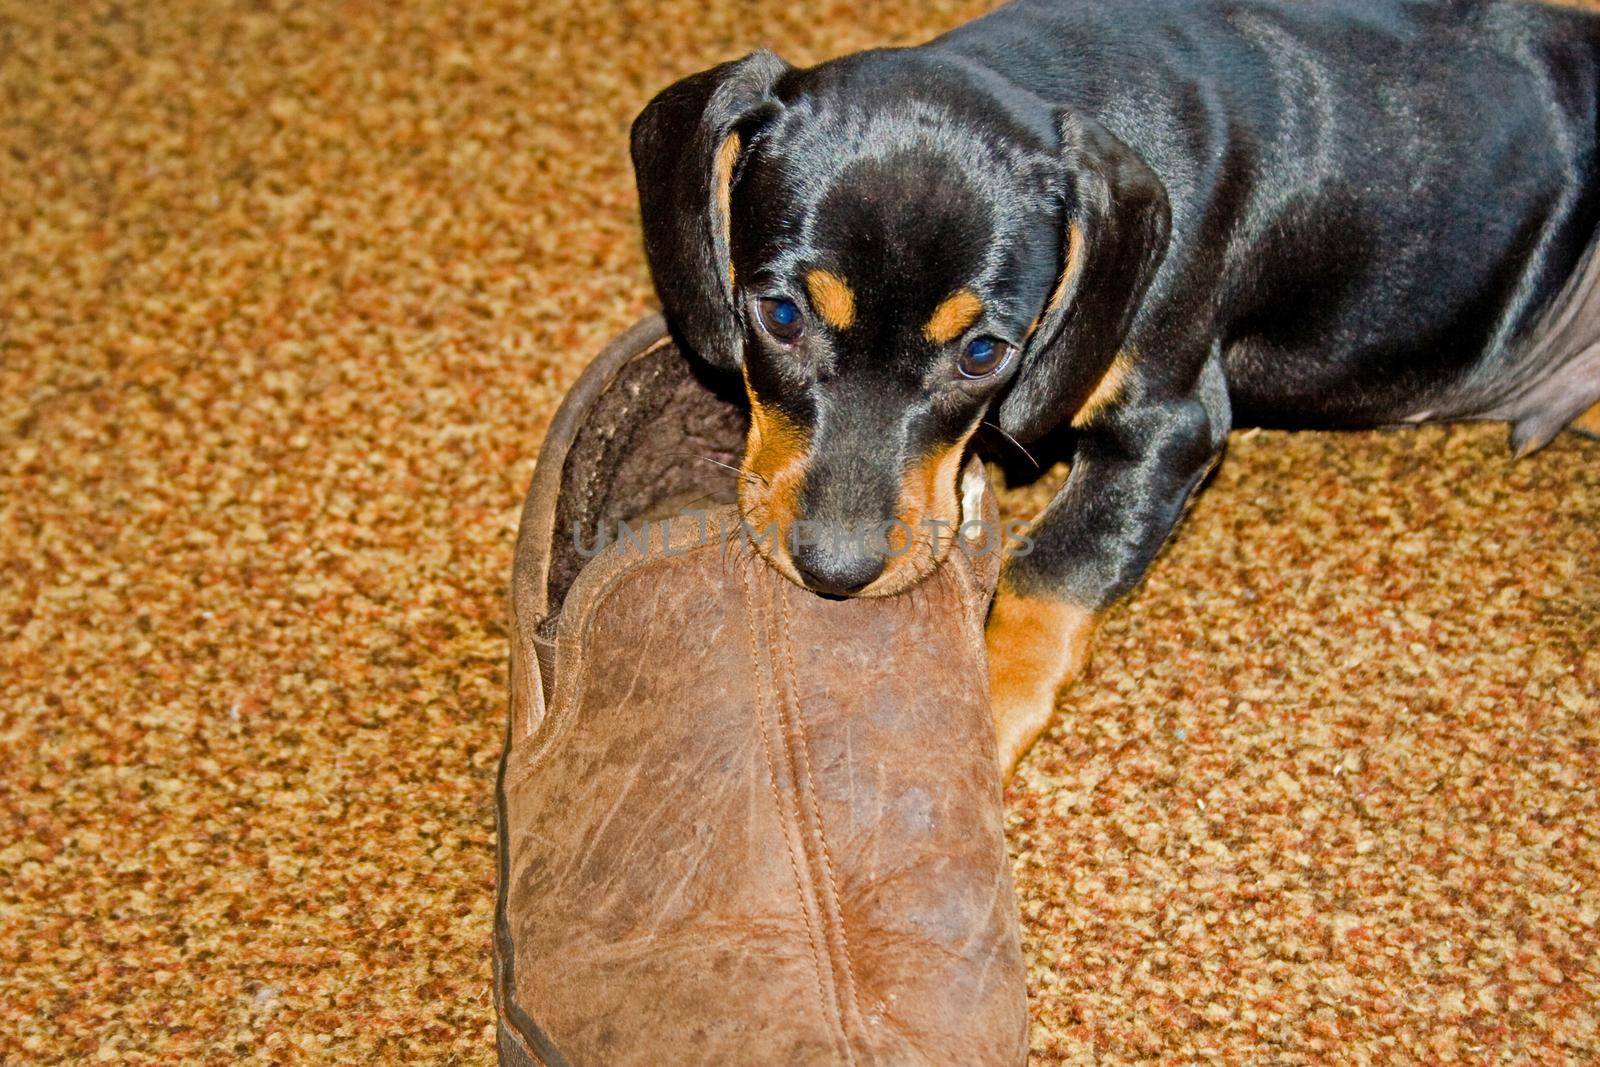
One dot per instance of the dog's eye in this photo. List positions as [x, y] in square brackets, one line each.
[782, 319]
[983, 356]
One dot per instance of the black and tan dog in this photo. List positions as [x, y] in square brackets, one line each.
[1148, 220]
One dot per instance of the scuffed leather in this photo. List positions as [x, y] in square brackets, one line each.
[750, 825]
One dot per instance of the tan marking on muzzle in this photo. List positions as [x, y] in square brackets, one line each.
[774, 466]
[953, 315]
[928, 490]
[832, 298]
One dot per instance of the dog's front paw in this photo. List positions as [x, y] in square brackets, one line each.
[1022, 711]
[1036, 645]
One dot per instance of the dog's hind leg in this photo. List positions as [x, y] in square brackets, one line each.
[1588, 423]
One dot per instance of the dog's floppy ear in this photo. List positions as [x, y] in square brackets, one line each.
[686, 143]
[1117, 223]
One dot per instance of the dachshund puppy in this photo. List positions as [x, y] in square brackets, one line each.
[1142, 223]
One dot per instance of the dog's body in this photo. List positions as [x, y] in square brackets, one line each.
[1179, 215]
[1370, 201]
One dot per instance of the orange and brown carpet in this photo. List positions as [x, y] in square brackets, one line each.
[288, 293]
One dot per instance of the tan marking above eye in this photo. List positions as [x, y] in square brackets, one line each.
[832, 298]
[953, 315]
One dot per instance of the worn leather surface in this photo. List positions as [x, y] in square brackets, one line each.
[745, 824]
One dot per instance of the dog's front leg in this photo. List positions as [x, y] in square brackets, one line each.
[1134, 470]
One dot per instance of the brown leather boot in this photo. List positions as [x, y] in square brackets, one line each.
[739, 823]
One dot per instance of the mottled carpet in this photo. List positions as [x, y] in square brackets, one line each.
[288, 293]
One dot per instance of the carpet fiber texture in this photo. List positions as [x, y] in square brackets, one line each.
[289, 292]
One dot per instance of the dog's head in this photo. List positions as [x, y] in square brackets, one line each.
[887, 247]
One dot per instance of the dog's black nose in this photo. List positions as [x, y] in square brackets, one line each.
[837, 570]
